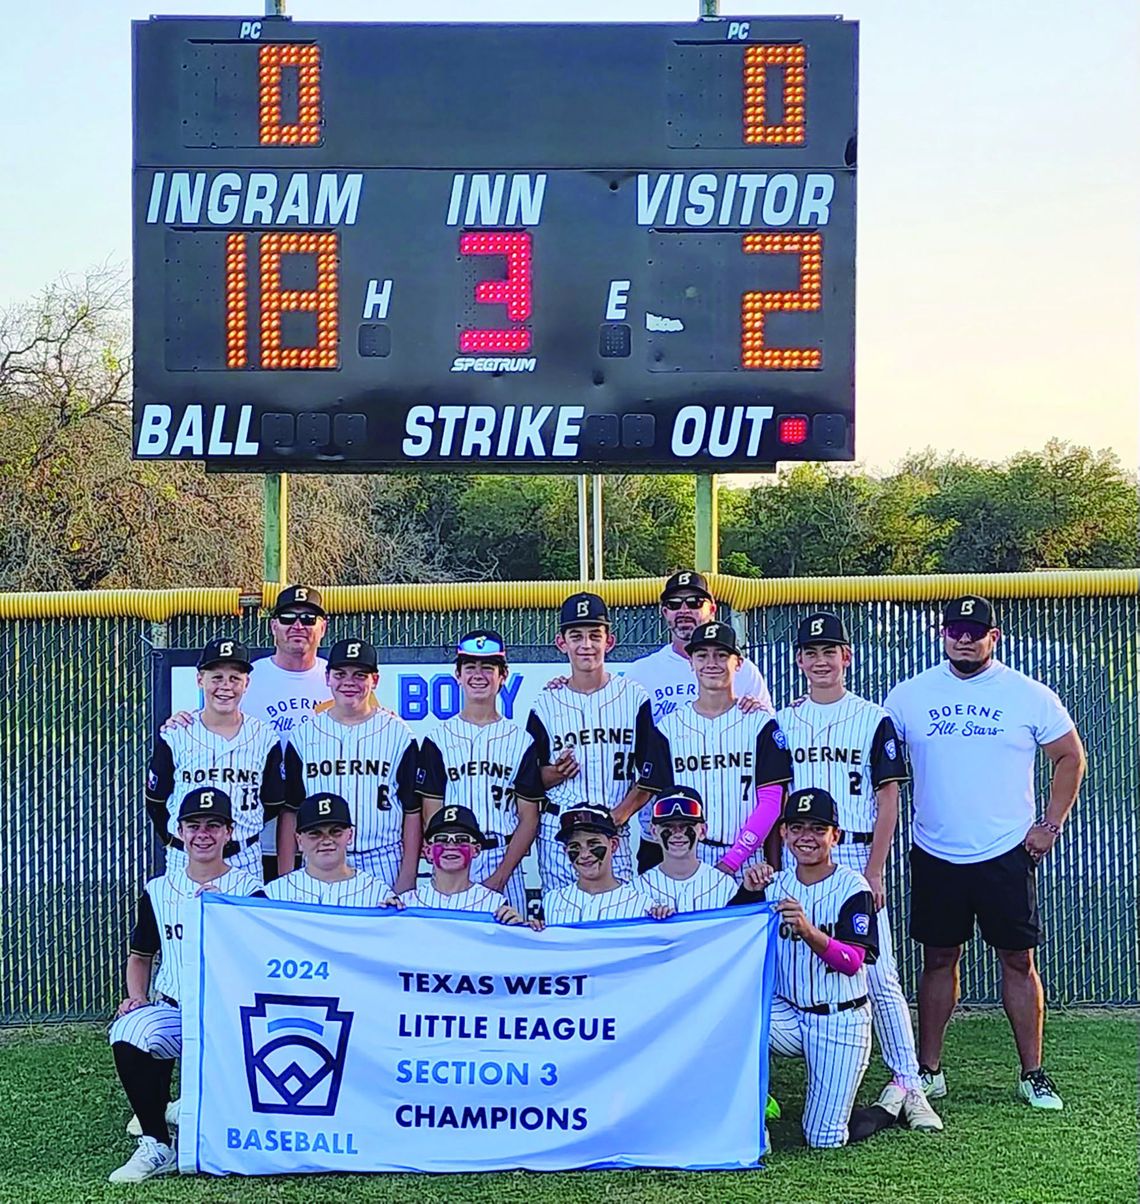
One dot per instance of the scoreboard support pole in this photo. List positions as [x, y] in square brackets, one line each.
[276, 527]
[583, 528]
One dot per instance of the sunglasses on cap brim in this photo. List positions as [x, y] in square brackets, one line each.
[678, 808]
[481, 647]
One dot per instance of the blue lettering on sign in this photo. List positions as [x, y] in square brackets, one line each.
[417, 697]
[508, 694]
[291, 1140]
[445, 697]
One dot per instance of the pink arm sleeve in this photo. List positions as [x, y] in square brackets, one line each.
[756, 826]
[845, 958]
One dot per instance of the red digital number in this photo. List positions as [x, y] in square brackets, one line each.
[323, 300]
[513, 291]
[306, 130]
[758, 60]
[755, 306]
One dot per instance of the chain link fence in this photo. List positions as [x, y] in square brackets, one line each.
[75, 734]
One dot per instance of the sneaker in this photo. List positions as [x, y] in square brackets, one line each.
[172, 1110]
[151, 1158]
[772, 1109]
[918, 1113]
[1038, 1091]
[933, 1082]
[892, 1099]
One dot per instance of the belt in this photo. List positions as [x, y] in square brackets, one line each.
[856, 837]
[826, 1009]
[551, 808]
[166, 999]
[717, 844]
[490, 842]
[234, 846]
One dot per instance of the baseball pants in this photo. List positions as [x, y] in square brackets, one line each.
[383, 863]
[489, 861]
[554, 866]
[155, 1029]
[890, 1011]
[837, 1049]
[247, 858]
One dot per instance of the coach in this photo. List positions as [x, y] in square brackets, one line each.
[972, 726]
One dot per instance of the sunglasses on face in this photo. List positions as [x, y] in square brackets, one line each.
[693, 603]
[453, 838]
[677, 808]
[308, 619]
[966, 630]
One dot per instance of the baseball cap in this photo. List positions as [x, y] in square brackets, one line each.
[298, 595]
[460, 818]
[713, 635]
[482, 644]
[583, 610]
[207, 800]
[357, 654]
[810, 804]
[225, 652]
[586, 817]
[320, 809]
[822, 628]
[686, 581]
[969, 609]
[681, 802]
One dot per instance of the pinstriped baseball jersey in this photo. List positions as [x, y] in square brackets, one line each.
[481, 766]
[725, 758]
[841, 905]
[158, 926]
[361, 890]
[571, 904]
[247, 767]
[475, 898]
[705, 890]
[371, 765]
[848, 748]
[669, 680]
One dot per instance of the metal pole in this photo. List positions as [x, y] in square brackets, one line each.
[276, 508]
[583, 531]
[599, 553]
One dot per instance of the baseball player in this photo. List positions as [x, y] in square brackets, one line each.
[224, 747]
[591, 840]
[682, 880]
[847, 746]
[481, 761]
[736, 760]
[827, 937]
[594, 737]
[324, 836]
[358, 750]
[972, 726]
[452, 841]
[146, 1035]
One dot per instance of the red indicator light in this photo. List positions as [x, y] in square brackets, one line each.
[513, 292]
[793, 428]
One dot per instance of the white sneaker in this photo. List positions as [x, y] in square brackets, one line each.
[918, 1113]
[1039, 1091]
[172, 1110]
[933, 1082]
[892, 1099]
[151, 1158]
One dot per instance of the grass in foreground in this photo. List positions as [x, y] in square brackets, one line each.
[64, 1117]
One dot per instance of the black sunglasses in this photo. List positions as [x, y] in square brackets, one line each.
[693, 603]
[289, 617]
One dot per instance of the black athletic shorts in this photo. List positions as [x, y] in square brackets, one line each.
[1001, 894]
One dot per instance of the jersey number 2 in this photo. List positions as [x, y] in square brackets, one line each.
[856, 780]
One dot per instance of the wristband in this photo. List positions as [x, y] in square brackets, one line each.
[1049, 826]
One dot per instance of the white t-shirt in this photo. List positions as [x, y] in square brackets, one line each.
[973, 746]
[669, 680]
[283, 698]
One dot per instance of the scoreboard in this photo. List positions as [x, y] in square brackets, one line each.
[546, 247]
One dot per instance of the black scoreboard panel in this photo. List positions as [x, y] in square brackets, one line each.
[551, 247]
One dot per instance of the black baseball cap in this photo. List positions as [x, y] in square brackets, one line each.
[583, 610]
[822, 628]
[679, 802]
[686, 581]
[460, 819]
[225, 652]
[969, 609]
[810, 804]
[357, 654]
[586, 817]
[207, 800]
[293, 596]
[483, 645]
[713, 635]
[321, 809]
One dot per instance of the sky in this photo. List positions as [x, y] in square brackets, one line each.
[998, 195]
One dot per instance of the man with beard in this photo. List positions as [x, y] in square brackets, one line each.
[972, 726]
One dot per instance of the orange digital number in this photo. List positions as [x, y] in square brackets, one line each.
[755, 306]
[758, 61]
[306, 130]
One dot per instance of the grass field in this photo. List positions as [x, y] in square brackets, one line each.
[63, 1117]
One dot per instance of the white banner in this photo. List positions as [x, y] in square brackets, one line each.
[330, 1039]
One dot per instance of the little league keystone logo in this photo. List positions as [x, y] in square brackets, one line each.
[294, 1053]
